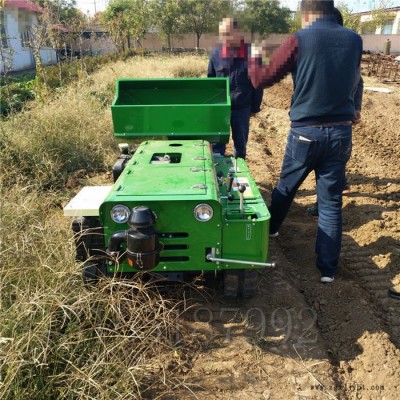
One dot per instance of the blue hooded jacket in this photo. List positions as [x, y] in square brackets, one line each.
[242, 92]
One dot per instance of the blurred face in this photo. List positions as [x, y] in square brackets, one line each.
[228, 34]
[308, 17]
[305, 19]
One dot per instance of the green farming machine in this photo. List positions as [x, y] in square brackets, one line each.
[175, 208]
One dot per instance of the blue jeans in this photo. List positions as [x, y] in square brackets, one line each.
[326, 151]
[240, 121]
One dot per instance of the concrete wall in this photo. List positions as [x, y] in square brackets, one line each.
[94, 46]
[207, 41]
[372, 43]
[375, 43]
[152, 41]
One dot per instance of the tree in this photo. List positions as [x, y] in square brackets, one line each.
[202, 16]
[266, 17]
[377, 19]
[168, 15]
[116, 18]
[127, 19]
[140, 19]
[295, 20]
[350, 21]
[62, 11]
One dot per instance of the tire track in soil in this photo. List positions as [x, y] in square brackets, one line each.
[355, 317]
[344, 335]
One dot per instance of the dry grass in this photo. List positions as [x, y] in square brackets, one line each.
[57, 339]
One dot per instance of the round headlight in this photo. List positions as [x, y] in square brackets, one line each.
[203, 212]
[120, 214]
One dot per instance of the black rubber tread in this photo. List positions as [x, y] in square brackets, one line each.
[231, 284]
[240, 283]
[250, 283]
[89, 238]
[92, 272]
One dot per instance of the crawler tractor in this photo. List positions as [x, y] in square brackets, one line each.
[175, 207]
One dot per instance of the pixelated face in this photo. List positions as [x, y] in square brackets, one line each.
[229, 34]
[305, 19]
[312, 8]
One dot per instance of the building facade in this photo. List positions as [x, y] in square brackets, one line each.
[390, 26]
[18, 19]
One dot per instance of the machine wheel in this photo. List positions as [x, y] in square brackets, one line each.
[92, 271]
[240, 283]
[89, 238]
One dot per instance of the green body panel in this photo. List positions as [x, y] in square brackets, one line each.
[172, 191]
[197, 108]
[246, 233]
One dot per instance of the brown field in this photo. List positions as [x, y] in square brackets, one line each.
[299, 336]
[297, 339]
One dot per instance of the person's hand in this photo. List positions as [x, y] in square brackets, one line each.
[357, 118]
[255, 51]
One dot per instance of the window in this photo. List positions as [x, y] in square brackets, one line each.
[387, 27]
[3, 33]
[26, 36]
[24, 27]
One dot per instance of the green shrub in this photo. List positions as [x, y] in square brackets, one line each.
[44, 146]
[190, 71]
[58, 340]
[193, 67]
[15, 92]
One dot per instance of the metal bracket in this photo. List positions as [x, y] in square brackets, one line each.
[210, 257]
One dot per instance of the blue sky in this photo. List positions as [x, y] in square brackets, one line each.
[356, 5]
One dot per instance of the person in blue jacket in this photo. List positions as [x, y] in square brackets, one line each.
[324, 60]
[229, 59]
[358, 95]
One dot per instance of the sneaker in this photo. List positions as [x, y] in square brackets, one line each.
[274, 235]
[346, 190]
[394, 292]
[327, 279]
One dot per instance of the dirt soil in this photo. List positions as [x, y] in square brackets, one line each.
[298, 338]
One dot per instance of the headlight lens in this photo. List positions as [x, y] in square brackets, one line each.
[203, 212]
[120, 214]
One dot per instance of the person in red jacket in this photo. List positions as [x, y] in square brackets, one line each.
[230, 59]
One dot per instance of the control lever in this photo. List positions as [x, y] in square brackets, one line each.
[220, 178]
[241, 189]
[229, 187]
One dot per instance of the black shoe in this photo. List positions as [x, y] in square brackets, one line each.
[313, 211]
[394, 292]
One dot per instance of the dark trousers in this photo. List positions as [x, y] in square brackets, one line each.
[326, 151]
[240, 121]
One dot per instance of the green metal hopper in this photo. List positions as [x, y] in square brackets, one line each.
[195, 108]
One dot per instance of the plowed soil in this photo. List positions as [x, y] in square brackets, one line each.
[298, 338]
